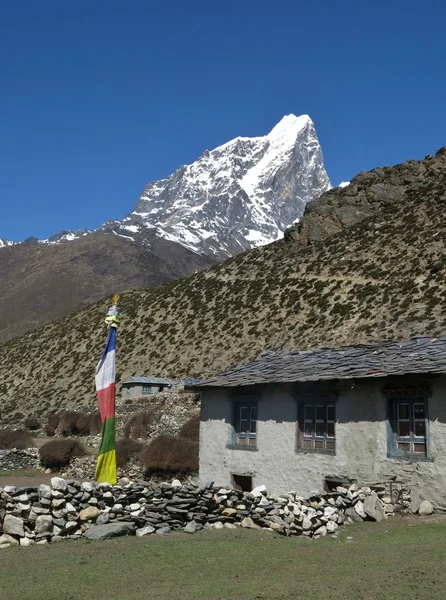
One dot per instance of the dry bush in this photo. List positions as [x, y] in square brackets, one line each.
[31, 423]
[95, 423]
[128, 401]
[170, 453]
[191, 429]
[138, 424]
[58, 453]
[79, 423]
[51, 424]
[127, 449]
[15, 438]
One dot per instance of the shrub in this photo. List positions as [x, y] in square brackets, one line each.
[170, 453]
[126, 449]
[31, 423]
[58, 453]
[138, 424]
[15, 438]
[79, 423]
[191, 429]
[51, 424]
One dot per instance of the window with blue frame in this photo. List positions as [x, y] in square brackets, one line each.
[316, 426]
[146, 389]
[408, 427]
[245, 425]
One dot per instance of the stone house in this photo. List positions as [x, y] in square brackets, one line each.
[308, 420]
[134, 387]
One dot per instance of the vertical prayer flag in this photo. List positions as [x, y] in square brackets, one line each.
[105, 389]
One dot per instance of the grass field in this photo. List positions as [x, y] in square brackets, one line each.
[403, 558]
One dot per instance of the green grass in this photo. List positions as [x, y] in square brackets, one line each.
[21, 473]
[398, 559]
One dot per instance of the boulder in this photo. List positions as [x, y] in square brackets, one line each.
[145, 531]
[13, 526]
[191, 527]
[111, 530]
[359, 509]
[89, 513]
[44, 524]
[426, 508]
[7, 540]
[249, 523]
[415, 502]
[59, 484]
[374, 509]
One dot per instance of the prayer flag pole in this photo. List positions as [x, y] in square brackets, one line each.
[105, 390]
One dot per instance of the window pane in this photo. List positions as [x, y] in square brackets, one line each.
[320, 413]
[330, 445]
[330, 430]
[319, 444]
[309, 413]
[404, 446]
[241, 441]
[418, 411]
[252, 441]
[330, 413]
[419, 448]
[403, 428]
[308, 429]
[244, 413]
[420, 429]
[307, 444]
[253, 427]
[403, 411]
[320, 429]
[253, 413]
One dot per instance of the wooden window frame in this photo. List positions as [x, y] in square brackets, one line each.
[396, 440]
[314, 442]
[244, 435]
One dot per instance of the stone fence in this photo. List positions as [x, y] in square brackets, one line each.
[69, 509]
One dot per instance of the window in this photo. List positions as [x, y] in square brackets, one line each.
[146, 389]
[408, 423]
[245, 425]
[316, 426]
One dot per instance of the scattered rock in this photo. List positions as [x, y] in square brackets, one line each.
[111, 530]
[191, 527]
[426, 508]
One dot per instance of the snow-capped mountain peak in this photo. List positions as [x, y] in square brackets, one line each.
[242, 194]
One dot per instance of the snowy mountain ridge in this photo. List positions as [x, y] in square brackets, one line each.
[241, 195]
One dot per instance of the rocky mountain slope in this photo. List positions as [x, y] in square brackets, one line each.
[41, 283]
[378, 273]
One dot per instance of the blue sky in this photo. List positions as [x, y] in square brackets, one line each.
[98, 98]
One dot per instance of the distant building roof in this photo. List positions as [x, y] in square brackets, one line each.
[415, 355]
[150, 380]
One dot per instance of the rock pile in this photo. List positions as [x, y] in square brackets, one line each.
[19, 459]
[69, 509]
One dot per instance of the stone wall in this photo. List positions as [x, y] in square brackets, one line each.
[70, 510]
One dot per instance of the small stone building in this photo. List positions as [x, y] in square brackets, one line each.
[309, 420]
[135, 387]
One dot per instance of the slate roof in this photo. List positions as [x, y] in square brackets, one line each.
[150, 380]
[415, 355]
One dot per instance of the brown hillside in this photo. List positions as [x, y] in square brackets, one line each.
[42, 283]
[382, 277]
